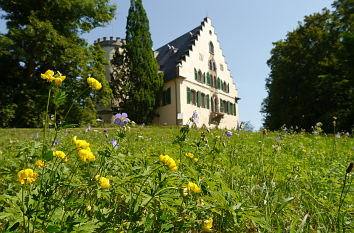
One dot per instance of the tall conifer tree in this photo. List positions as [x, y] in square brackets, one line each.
[135, 79]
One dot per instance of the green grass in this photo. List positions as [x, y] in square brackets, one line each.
[250, 182]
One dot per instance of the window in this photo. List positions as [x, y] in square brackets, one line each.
[221, 67]
[211, 48]
[219, 84]
[212, 104]
[194, 97]
[225, 87]
[188, 95]
[166, 97]
[208, 78]
[200, 76]
[203, 100]
[225, 106]
[215, 83]
[231, 108]
[210, 65]
[201, 57]
[216, 105]
[214, 66]
[195, 74]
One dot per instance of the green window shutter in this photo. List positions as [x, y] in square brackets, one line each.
[199, 98]
[221, 105]
[168, 96]
[207, 99]
[188, 95]
[228, 88]
[195, 74]
[218, 83]
[208, 78]
[203, 77]
[228, 107]
[234, 109]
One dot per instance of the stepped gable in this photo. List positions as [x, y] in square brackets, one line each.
[172, 53]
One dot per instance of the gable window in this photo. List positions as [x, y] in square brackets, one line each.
[211, 48]
[214, 66]
[200, 76]
[221, 67]
[225, 87]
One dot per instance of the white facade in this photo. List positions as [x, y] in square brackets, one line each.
[187, 62]
[198, 60]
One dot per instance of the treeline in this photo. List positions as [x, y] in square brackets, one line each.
[42, 35]
[312, 73]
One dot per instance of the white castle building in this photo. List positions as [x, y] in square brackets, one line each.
[196, 78]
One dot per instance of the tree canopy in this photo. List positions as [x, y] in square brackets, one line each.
[46, 34]
[311, 78]
[136, 82]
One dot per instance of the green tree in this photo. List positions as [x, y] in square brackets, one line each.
[307, 83]
[45, 34]
[136, 81]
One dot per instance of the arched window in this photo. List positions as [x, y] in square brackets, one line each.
[214, 66]
[211, 47]
[210, 65]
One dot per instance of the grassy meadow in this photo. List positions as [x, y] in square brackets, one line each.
[209, 182]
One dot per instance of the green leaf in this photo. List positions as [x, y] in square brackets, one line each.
[47, 154]
[52, 228]
[59, 98]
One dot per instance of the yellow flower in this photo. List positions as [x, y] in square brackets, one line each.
[80, 144]
[193, 187]
[48, 75]
[104, 182]
[27, 175]
[94, 84]
[60, 154]
[58, 80]
[39, 163]
[169, 162]
[208, 224]
[190, 155]
[303, 150]
[86, 154]
[196, 159]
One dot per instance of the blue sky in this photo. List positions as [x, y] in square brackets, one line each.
[245, 29]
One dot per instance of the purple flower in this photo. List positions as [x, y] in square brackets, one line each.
[121, 119]
[278, 138]
[89, 127]
[105, 130]
[114, 143]
[86, 130]
[143, 125]
[229, 134]
[337, 135]
[37, 134]
[208, 130]
[58, 140]
[195, 117]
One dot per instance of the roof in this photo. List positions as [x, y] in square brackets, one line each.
[170, 55]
